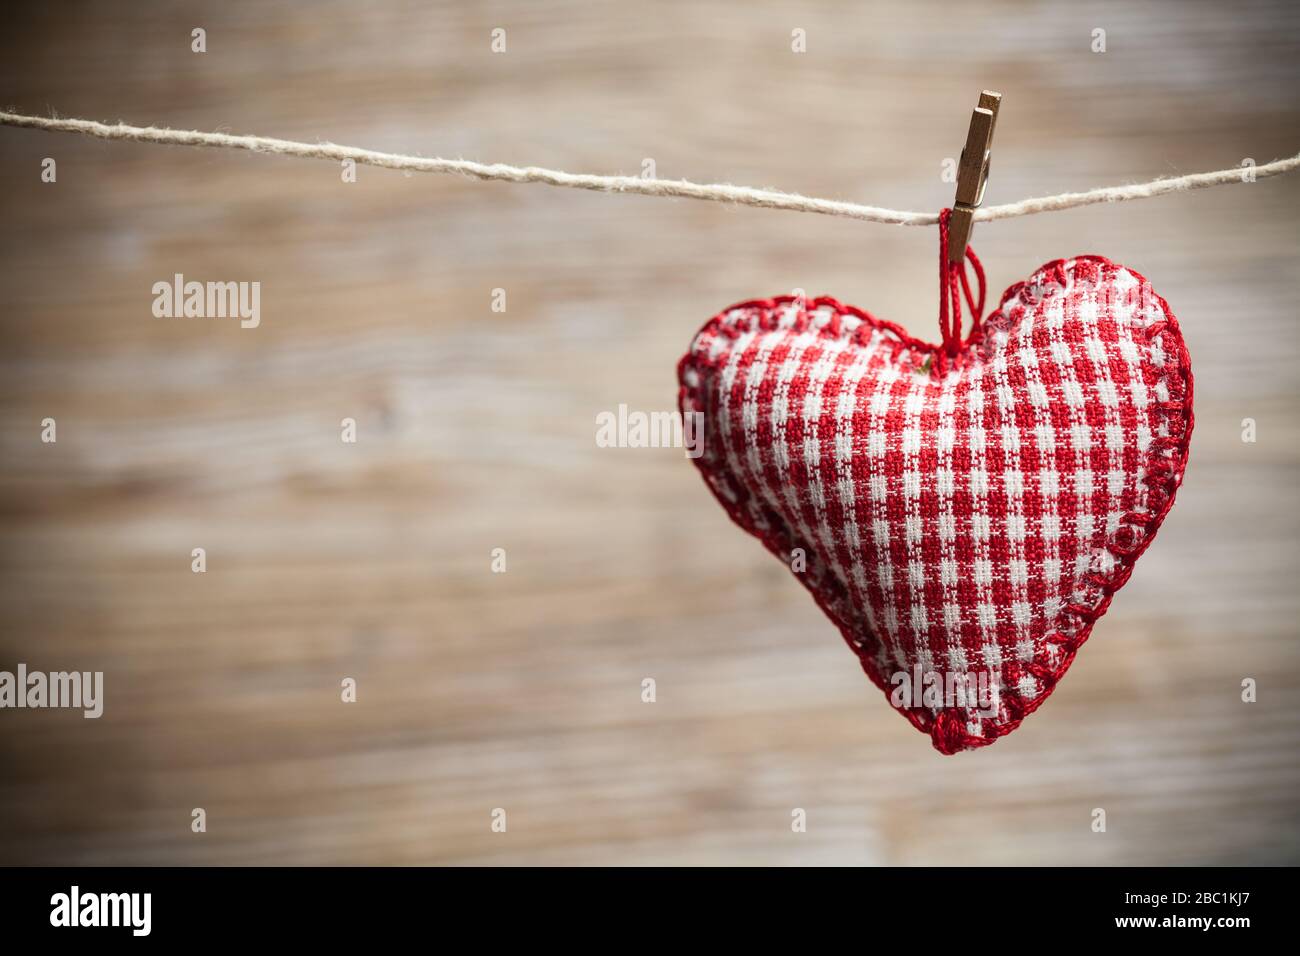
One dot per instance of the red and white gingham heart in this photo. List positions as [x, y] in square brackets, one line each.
[965, 513]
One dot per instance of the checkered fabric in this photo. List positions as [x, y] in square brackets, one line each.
[959, 515]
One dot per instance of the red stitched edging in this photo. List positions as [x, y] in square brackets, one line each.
[1163, 475]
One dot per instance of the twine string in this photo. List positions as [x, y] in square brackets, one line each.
[678, 188]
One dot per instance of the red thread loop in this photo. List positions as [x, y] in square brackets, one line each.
[953, 284]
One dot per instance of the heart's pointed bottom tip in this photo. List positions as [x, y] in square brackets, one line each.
[947, 734]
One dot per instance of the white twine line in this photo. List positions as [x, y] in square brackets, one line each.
[715, 192]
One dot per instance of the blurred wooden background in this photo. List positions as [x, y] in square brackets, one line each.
[476, 431]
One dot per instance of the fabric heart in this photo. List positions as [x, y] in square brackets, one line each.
[962, 514]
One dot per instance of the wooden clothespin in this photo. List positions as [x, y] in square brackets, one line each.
[972, 174]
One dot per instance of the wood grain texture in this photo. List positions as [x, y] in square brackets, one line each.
[476, 430]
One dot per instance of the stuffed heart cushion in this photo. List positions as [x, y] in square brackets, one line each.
[964, 516]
